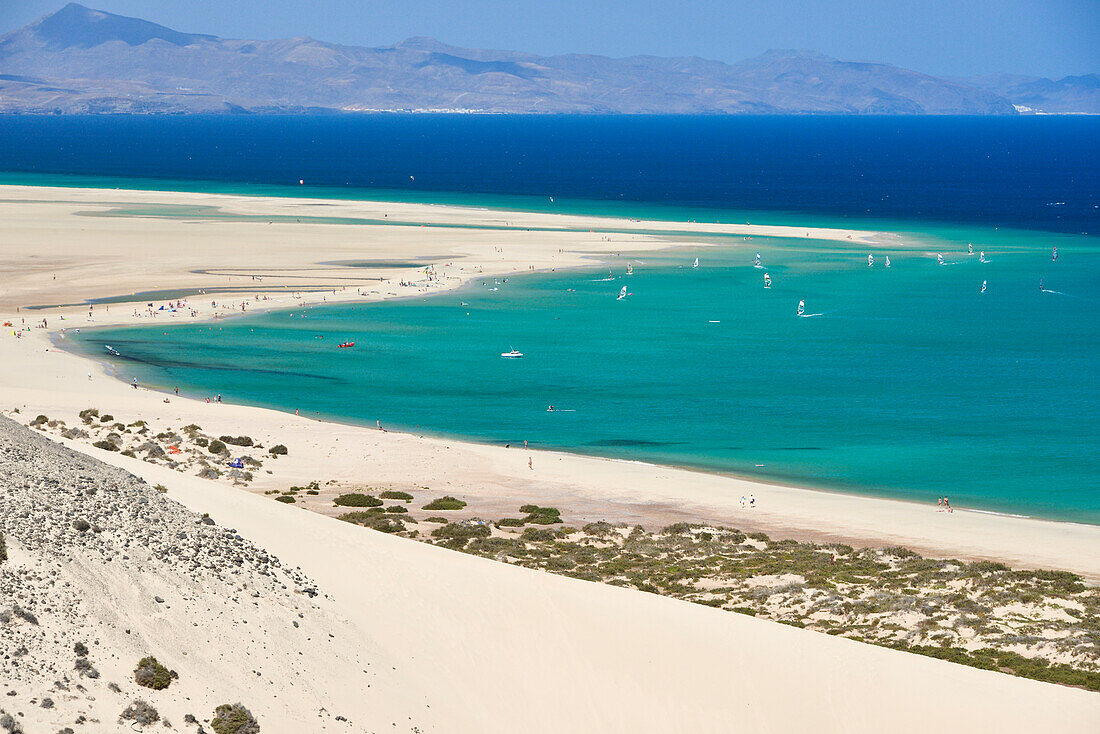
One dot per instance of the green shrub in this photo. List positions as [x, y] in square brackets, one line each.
[106, 445]
[393, 494]
[88, 414]
[277, 450]
[511, 522]
[396, 508]
[3, 549]
[541, 515]
[216, 447]
[203, 442]
[356, 499]
[234, 719]
[39, 420]
[106, 418]
[151, 674]
[191, 428]
[445, 503]
[130, 453]
[436, 519]
[286, 498]
[160, 488]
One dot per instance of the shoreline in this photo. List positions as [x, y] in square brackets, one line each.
[599, 487]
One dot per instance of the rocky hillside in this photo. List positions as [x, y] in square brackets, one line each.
[100, 571]
[79, 60]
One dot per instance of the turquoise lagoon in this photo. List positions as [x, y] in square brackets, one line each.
[906, 382]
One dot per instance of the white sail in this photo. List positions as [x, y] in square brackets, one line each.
[630, 270]
[1054, 255]
[887, 261]
[767, 281]
[970, 248]
[981, 256]
[696, 263]
[983, 286]
[622, 294]
[870, 260]
[756, 262]
[801, 307]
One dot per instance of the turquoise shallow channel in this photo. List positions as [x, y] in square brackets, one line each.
[905, 382]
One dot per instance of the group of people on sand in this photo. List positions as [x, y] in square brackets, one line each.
[945, 505]
[751, 502]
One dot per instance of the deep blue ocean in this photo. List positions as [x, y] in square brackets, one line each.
[908, 382]
[1027, 172]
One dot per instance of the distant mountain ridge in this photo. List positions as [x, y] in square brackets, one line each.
[80, 60]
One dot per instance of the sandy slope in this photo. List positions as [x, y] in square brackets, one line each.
[490, 647]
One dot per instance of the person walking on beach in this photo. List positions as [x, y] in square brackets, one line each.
[530, 463]
[752, 500]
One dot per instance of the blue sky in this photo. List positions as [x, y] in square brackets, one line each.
[946, 37]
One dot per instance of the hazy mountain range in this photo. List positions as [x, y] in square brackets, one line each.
[79, 60]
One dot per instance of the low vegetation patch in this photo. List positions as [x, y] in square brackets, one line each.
[445, 503]
[236, 440]
[285, 498]
[277, 450]
[1037, 624]
[393, 494]
[140, 712]
[375, 520]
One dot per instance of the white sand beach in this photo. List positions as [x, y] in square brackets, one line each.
[487, 646]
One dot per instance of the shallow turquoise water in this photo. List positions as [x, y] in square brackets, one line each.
[907, 382]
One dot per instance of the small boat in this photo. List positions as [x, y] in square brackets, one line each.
[696, 263]
[622, 294]
[887, 261]
[345, 345]
[801, 307]
[494, 288]
[981, 256]
[984, 284]
[112, 351]
[767, 281]
[939, 258]
[870, 261]
[513, 354]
